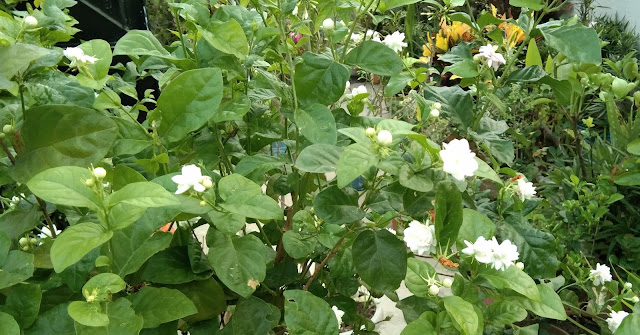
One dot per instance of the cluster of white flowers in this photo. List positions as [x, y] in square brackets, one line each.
[493, 58]
[78, 57]
[420, 238]
[357, 90]
[499, 255]
[395, 41]
[600, 275]
[615, 319]
[524, 189]
[369, 35]
[192, 177]
[339, 314]
[458, 160]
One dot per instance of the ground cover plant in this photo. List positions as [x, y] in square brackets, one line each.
[504, 148]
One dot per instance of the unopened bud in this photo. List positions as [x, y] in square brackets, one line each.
[447, 282]
[89, 182]
[635, 299]
[33, 241]
[437, 105]
[207, 183]
[99, 173]
[25, 248]
[23, 241]
[628, 285]
[371, 132]
[385, 138]
[203, 203]
[434, 290]
[328, 25]
[520, 265]
[7, 129]
[434, 112]
[30, 21]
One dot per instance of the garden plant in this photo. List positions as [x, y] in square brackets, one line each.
[333, 152]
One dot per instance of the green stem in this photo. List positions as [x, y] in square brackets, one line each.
[577, 324]
[225, 159]
[184, 47]
[353, 27]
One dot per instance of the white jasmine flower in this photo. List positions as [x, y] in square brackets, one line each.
[635, 299]
[420, 238]
[77, 57]
[600, 275]
[493, 58]
[295, 10]
[372, 35]
[338, 314]
[328, 25]
[504, 255]
[593, 24]
[46, 232]
[482, 249]
[385, 138]
[525, 190]
[347, 86]
[615, 319]
[395, 41]
[458, 160]
[191, 177]
[361, 89]
[30, 21]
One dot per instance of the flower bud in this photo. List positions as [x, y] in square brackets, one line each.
[385, 138]
[2, 135]
[447, 282]
[520, 265]
[89, 182]
[30, 22]
[628, 285]
[25, 248]
[99, 173]
[203, 203]
[33, 241]
[371, 132]
[23, 241]
[207, 182]
[635, 299]
[328, 25]
[434, 112]
[7, 129]
[434, 289]
[437, 105]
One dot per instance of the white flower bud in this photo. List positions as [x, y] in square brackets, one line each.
[628, 285]
[7, 129]
[207, 182]
[385, 138]
[23, 241]
[434, 289]
[520, 265]
[33, 241]
[447, 282]
[371, 132]
[30, 21]
[203, 203]
[99, 173]
[437, 105]
[89, 182]
[328, 25]
[434, 112]
[25, 248]
[635, 299]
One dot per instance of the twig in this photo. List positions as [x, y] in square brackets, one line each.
[43, 209]
[332, 253]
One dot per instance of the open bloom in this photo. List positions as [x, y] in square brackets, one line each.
[77, 57]
[600, 275]
[493, 58]
[368, 35]
[357, 90]
[499, 255]
[615, 319]
[395, 41]
[420, 238]
[46, 232]
[338, 314]
[458, 160]
[525, 190]
[191, 177]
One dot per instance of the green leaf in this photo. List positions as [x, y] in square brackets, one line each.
[75, 242]
[62, 135]
[630, 325]
[88, 314]
[143, 194]
[529, 74]
[122, 321]
[95, 75]
[143, 43]
[336, 206]
[131, 138]
[158, 305]
[227, 223]
[512, 278]
[239, 262]
[227, 37]
[254, 316]
[634, 147]
[354, 161]
[529, 330]
[376, 58]
[102, 286]
[417, 273]
[533, 54]
[305, 313]
[17, 267]
[298, 246]
[319, 80]
[419, 327]
[448, 213]
[317, 124]
[23, 303]
[463, 315]
[14, 223]
[17, 57]
[474, 225]
[380, 259]
[391, 4]
[549, 306]
[171, 266]
[485, 171]
[505, 312]
[533, 4]
[457, 105]
[577, 42]
[243, 197]
[53, 321]
[537, 249]
[188, 102]
[416, 181]
[465, 69]
[8, 324]
[208, 297]
[65, 186]
[232, 110]
[319, 158]
[628, 179]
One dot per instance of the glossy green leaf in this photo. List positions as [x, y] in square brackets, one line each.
[75, 242]
[319, 158]
[634, 147]
[417, 273]
[464, 316]
[102, 286]
[457, 104]
[53, 321]
[227, 223]
[448, 208]
[239, 262]
[232, 110]
[298, 246]
[354, 161]
[227, 37]
[158, 305]
[630, 325]
[533, 4]
[512, 278]
[419, 327]
[244, 197]
[23, 303]
[380, 259]
[505, 312]
[316, 123]
[305, 313]
[122, 321]
[376, 58]
[171, 266]
[549, 306]
[14, 223]
[254, 316]
[137, 43]
[336, 206]
[17, 267]
[474, 225]
[142, 194]
[208, 297]
[577, 42]
[88, 314]
[533, 57]
[8, 324]
[416, 181]
[319, 80]
[537, 249]
[65, 186]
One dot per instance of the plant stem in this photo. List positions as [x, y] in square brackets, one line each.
[47, 218]
[179, 24]
[582, 327]
[353, 27]
[225, 159]
[331, 253]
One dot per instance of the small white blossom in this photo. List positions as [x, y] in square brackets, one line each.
[46, 232]
[395, 41]
[368, 35]
[600, 275]
[339, 314]
[30, 21]
[500, 256]
[458, 160]
[481, 249]
[347, 86]
[385, 138]
[615, 319]
[493, 58]
[191, 177]
[420, 238]
[78, 57]
[361, 89]
[295, 11]
[328, 25]
[525, 190]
